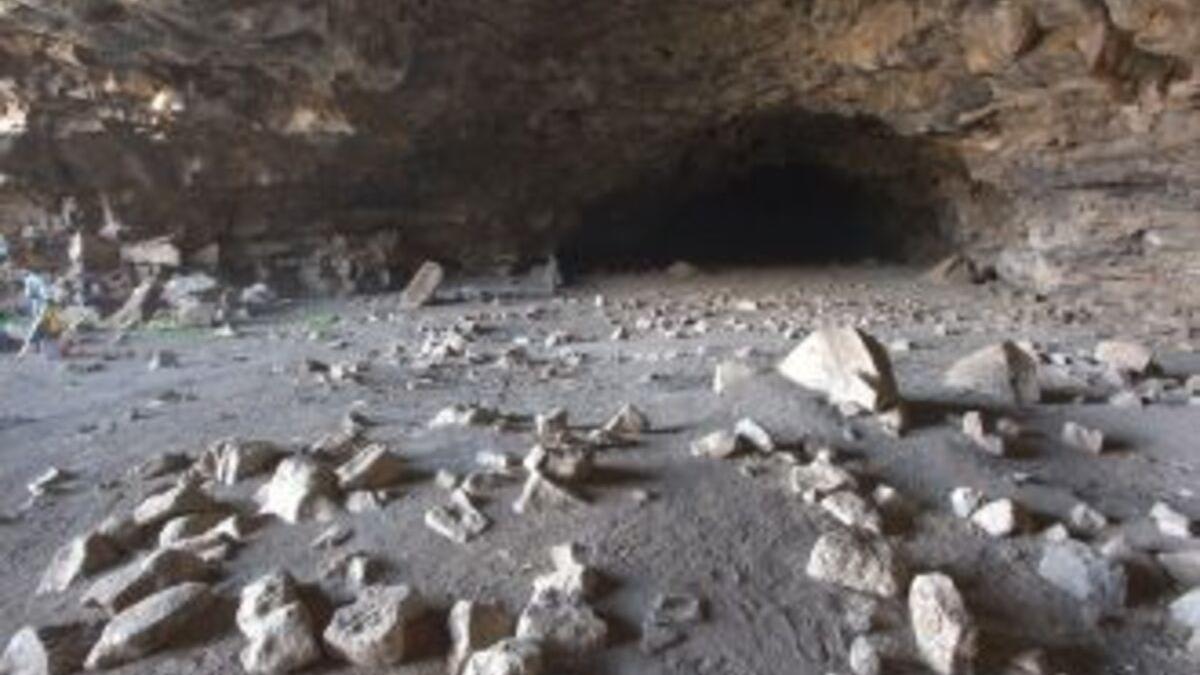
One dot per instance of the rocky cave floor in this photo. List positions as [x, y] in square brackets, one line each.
[653, 518]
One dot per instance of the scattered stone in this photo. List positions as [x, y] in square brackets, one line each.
[563, 625]
[853, 560]
[1182, 566]
[507, 657]
[82, 556]
[1002, 373]
[185, 498]
[1125, 357]
[1092, 579]
[853, 511]
[230, 461]
[187, 527]
[628, 421]
[374, 630]
[753, 433]
[161, 465]
[721, 444]
[1186, 610]
[1170, 523]
[540, 492]
[729, 374]
[371, 468]
[138, 580]
[48, 650]
[150, 625]
[1086, 520]
[864, 658]
[474, 627]
[1080, 437]
[366, 501]
[423, 286]
[945, 633]
[562, 463]
[965, 501]
[974, 428]
[459, 522]
[300, 490]
[1000, 518]
[846, 365]
[460, 415]
[820, 478]
[572, 578]
[279, 627]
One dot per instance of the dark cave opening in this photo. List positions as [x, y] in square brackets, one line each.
[770, 215]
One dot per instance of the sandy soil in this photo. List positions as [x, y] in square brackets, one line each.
[729, 532]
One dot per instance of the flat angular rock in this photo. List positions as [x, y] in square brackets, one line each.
[1170, 523]
[974, 428]
[300, 490]
[858, 562]
[540, 492]
[1079, 437]
[138, 580]
[371, 468]
[423, 286]
[1182, 566]
[819, 478]
[187, 527]
[729, 374]
[965, 501]
[1000, 518]
[474, 627]
[572, 577]
[231, 461]
[186, 497]
[1124, 356]
[278, 626]
[1186, 609]
[563, 625]
[847, 365]
[628, 421]
[852, 510]
[567, 464]
[151, 625]
[1004, 374]
[755, 434]
[457, 523]
[374, 631]
[720, 444]
[48, 650]
[1097, 582]
[82, 556]
[945, 632]
[507, 657]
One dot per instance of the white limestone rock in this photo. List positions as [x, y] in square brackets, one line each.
[423, 286]
[820, 478]
[999, 518]
[629, 421]
[1170, 522]
[572, 577]
[371, 468]
[1182, 566]
[280, 632]
[729, 374]
[150, 625]
[474, 627]
[1004, 374]
[853, 511]
[750, 432]
[566, 464]
[564, 626]
[1125, 356]
[858, 562]
[965, 501]
[82, 556]
[374, 630]
[845, 364]
[300, 490]
[1097, 582]
[140, 579]
[185, 498]
[1185, 610]
[48, 650]
[508, 657]
[721, 444]
[945, 632]
[230, 461]
[1079, 437]
[540, 492]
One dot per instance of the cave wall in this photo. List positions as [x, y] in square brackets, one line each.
[337, 142]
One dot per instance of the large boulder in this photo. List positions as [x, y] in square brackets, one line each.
[1003, 374]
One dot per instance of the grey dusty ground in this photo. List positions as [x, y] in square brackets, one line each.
[658, 520]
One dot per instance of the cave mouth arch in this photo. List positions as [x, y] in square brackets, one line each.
[780, 190]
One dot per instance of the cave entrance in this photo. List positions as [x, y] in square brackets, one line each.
[814, 190]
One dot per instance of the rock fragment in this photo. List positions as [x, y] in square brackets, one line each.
[138, 580]
[1079, 437]
[1170, 523]
[507, 657]
[965, 501]
[754, 434]
[230, 461]
[563, 625]
[629, 421]
[375, 629]
[1185, 610]
[974, 428]
[1086, 520]
[1182, 566]
[819, 478]
[999, 518]
[846, 365]
[572, 577]
[48, 650]
[185, 498]
[278, 626]
[540, 492]
[853, 511]
[300, 490]
[423, 286]
[475, 627]
[459, 522]
[82, 556]
[1125, 356]
[1097, 582]
[729, 374]
[945, 632]
[562, 463]
[150, 625]
[722, 444]
[858, 562]
[371, 468]
[1004, 374]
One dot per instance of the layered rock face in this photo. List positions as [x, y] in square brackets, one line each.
[336, 143]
